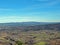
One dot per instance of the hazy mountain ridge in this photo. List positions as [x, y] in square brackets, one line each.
[25, 26]
[55, 26]
[23, 23]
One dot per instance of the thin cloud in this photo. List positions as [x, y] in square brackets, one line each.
[47, 4]
[14, 17]
[42, 0]
[6, 9]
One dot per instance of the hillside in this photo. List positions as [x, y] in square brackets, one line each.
[16, 34]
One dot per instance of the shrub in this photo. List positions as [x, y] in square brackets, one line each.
[19, 43]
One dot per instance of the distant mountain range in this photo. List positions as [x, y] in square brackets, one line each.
[26, 26]
[25, 23]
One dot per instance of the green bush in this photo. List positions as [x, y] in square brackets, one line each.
[19, 43]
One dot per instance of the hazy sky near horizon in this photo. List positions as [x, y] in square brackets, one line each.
[29, 10]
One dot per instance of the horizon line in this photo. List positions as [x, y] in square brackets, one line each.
[32, 21]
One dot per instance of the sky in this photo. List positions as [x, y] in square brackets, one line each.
[29, 10]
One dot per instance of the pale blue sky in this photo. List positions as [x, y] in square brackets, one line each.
[29, 10]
